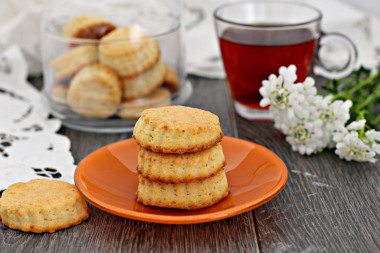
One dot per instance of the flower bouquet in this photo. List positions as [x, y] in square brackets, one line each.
[343, 118]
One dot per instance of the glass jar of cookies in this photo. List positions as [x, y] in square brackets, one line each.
[105, 61]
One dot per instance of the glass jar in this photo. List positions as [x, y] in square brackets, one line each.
[106, 61]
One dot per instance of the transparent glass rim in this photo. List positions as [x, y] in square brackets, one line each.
[80, 41]
[219, 18]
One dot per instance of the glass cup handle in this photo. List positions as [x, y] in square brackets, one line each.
[193, 17]
[337, 38]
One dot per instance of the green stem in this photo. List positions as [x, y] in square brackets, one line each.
[363, 83]
[340, 96]
[360, 117]
[376, 121]
[366, 102]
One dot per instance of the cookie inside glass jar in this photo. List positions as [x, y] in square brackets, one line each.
[140, 44]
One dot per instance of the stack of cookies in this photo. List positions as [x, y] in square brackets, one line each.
[180, 160]
[118, 74]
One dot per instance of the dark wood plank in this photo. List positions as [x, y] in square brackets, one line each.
[328, 205]
[105, 232]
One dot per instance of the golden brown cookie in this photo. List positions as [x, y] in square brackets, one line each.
[95, 92]
[177, 129]
[174, 168]
[144, 83]
[171, 79]
[128, 51]
[89, 26]
[132, 109]
[42, 205]
[66, 65]
[193, 195]
[123, 41]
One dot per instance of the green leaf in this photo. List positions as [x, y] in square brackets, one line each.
[363, 88]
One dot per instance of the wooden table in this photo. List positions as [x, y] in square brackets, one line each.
[328, 205]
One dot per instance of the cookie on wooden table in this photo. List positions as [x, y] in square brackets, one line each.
[177, 129]
[128, 51]
[66, 65]
[95, 91]
[175, 168]
[132, 109]
[42, 205]
[88, 26]
[144, 83]
[193, 195]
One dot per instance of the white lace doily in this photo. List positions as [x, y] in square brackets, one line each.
[29, 145]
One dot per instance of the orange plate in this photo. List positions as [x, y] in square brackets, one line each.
[108, 180]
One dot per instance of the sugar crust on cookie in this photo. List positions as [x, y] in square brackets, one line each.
[95, 91]
[177, 129]
[175, 168]
[193, 195]
[42, 205]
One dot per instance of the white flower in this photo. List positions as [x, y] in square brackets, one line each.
[303, 99]
[355, 144]
[276, 90]
[309, 88]
[334, 115]
[373, 135]
[353, 148]
[356, 125]
[293, 107]
[339, 134]
[312, 122]
[374, 140]
[306, 138]
[289, 74]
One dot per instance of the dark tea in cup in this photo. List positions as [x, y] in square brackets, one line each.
[256, 38]
[250, 56]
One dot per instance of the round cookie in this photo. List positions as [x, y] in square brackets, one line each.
[42, 205]
[177, 129]
[89, 26]
[132, 109]
[128, 51]
[144, 83]
[66, 65]
[95, 92]
[123, 41]
[174, 168]
[193, 195]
